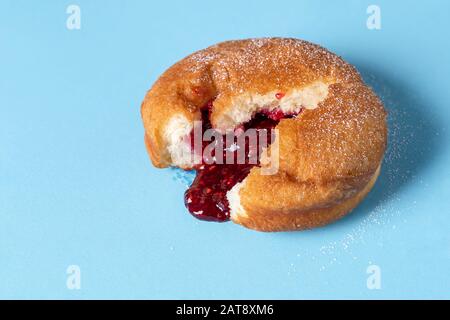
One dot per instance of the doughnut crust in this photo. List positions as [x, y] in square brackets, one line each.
[329, 156]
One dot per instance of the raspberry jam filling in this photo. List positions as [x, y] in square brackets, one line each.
[206, 198]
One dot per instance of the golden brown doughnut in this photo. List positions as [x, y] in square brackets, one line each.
[329, 154]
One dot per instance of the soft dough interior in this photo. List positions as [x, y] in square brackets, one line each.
[242, 109]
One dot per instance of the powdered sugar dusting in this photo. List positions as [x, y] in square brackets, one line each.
[412, 140]
[281, 58]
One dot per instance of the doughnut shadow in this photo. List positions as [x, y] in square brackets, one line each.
[412, 140]
[413, 144]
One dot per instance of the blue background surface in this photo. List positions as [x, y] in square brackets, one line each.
[77, 187]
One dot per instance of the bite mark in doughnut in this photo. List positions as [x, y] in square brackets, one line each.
[206, 198]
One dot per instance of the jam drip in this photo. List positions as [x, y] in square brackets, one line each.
[206, 197]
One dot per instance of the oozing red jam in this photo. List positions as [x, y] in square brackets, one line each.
[206, 197]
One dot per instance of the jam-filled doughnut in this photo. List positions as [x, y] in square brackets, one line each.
[330, 131]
